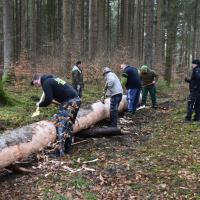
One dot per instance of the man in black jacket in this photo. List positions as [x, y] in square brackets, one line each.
[194, 96]
[58, 91]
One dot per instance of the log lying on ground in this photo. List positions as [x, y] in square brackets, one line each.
[19, 143]
[100, 132]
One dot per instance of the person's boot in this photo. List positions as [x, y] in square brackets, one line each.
[68, 146]
[188, 119]
[155, 106]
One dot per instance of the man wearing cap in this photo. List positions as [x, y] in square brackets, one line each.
[77, 78]
[149, 79]
[113, 89]
[131, 81]
[58, 91]
[194, 96]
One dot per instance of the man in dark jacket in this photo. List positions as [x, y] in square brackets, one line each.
[131, 81]
[194, 96]
[58, 91]
[77, 78]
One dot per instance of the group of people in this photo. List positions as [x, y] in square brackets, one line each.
[134, 81]
[68, 97]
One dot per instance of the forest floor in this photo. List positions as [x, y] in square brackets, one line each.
[157, 158]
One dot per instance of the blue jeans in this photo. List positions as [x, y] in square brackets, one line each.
[114, 104]
[133, 96]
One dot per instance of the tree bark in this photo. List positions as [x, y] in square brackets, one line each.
[148, 43]
[92, 29]
[20, 143]
[8, 38]
[66, 36]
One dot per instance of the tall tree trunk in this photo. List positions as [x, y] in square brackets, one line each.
[66, 35]
[197, 29]
[33, 38]
[125, 23]
[86, 29]
[159, 36]
[148, 43]
[92, 29]
[101, 26]
[171, 39]
[78, 29]
[8, 38]
[23, 30]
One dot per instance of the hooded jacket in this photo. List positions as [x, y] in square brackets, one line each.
[56, 89]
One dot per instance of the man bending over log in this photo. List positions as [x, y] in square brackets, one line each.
[59, 92]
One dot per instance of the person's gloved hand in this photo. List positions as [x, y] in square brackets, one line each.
[78, 87]
[187, 79]
[103, 99]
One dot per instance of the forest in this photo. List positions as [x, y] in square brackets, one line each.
[153, 153]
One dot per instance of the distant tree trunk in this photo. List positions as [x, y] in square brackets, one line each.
[23, 30]
[8, 38]
[33, 38]
[101, 26]
[92, 29]
[197, 27]
[131, 25]
[148, 43]
[85, 28]
[66, 36]
[138, 32]
[171, 38]
[159, 36]
[108, 28]
[78, 29]
[125, 23]
[1, 35]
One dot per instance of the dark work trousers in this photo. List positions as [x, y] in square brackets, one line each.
[79, 91]
[64, 121]
[114, 104]
[133, 96]
[152, 92]
[193, 105]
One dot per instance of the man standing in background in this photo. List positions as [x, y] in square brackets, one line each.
[194, 96]
[77, 78]
[149, 79]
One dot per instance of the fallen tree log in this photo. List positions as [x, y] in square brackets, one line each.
[19, 143]
[100, 132]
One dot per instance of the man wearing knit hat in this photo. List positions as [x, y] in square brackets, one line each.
[149, 78]
[194, 96]
[113, 89]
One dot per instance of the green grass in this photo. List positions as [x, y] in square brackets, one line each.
[20, 112]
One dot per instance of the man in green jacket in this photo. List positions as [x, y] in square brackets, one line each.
[149, 79]
[77, 78]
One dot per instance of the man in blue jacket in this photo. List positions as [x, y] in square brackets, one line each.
[131, 81]
[58, 91]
